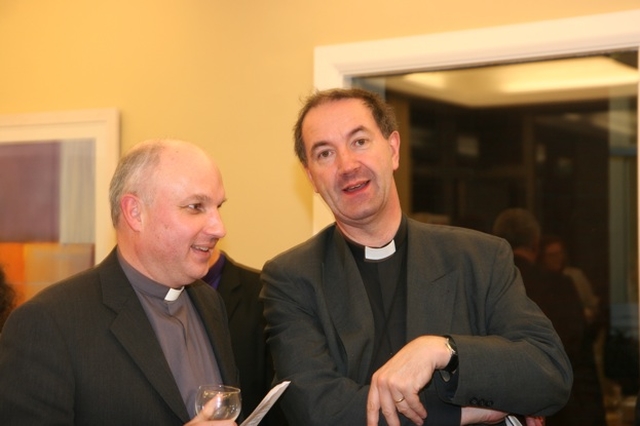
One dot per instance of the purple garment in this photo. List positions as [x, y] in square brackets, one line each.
[215, 272]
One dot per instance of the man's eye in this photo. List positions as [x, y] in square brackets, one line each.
[324, 154]
[195, 206]
[360, 142]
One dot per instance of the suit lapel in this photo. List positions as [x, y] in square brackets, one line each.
[134, 332]
[430, 285]
[348, 306]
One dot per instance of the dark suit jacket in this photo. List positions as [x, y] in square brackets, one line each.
[240, 287]
[82, 352]
[460, 282]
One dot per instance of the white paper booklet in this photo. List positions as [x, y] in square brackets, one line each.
[513, 421]
[266, 404]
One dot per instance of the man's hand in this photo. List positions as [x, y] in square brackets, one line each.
[202, 418]
[477, 415]
[535, 421]
[395, 386]
[204, 422]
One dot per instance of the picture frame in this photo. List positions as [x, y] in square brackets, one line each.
[81, 203]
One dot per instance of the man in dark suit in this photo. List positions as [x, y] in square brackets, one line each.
[557, 297]
[129, 341]
[240, 287]
[380, 319]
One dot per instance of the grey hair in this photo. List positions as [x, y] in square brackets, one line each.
[132, 173]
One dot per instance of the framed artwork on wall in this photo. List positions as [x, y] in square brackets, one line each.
[55, 170]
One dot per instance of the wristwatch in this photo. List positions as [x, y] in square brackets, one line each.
[452, 366]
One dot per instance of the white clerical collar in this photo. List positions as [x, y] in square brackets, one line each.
[380, 253]
[173, 294]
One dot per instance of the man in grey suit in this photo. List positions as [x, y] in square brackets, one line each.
[129, 341]
[379, 319]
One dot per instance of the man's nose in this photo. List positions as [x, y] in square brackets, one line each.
[347, 161]
[215, 226]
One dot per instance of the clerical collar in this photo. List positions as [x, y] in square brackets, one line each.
[379, 254]
[148, 286]
[173, 294]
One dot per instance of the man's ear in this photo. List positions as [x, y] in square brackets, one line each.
[394, 143]
[131, 207]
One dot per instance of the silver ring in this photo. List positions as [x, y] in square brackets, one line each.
[398, 401]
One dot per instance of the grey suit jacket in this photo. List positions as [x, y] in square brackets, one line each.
[460, 282]
[82, 352]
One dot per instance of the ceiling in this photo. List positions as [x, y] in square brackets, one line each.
[561, 80]
[578, 79]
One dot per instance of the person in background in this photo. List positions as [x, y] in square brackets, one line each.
[240, 287]
[379, 319]
[129, 341]
[558, 299]
[553, 257]
[7, 298]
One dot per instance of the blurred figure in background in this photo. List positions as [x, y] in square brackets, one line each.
[556, 296]
[553, 257]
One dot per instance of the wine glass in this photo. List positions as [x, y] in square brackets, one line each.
[226, 401]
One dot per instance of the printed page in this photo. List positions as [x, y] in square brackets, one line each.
[265, 405]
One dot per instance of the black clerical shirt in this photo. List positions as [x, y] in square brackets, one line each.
[386, 283]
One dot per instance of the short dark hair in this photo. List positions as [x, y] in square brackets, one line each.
[382, 113]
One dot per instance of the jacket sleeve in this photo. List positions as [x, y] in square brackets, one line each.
[510, 356]
[320, 393]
